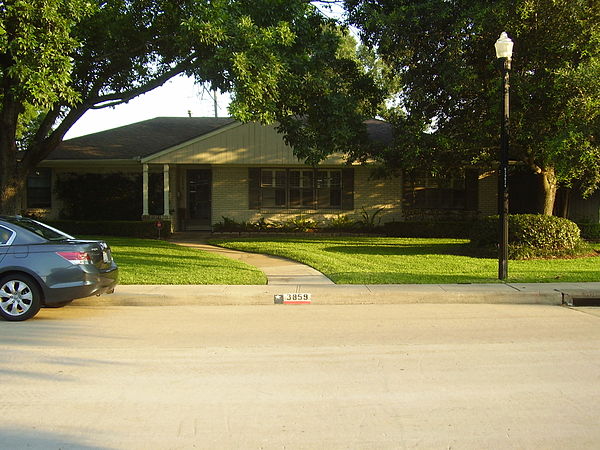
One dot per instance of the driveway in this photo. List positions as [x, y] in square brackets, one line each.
[290, 376]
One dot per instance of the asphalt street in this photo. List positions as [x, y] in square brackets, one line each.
[426, 376]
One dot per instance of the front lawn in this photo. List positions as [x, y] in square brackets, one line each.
[146, 261]
[381, 260]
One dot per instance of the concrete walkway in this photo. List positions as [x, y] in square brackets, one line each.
[278, 270]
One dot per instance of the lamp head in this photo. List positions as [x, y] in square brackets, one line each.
[504, 46]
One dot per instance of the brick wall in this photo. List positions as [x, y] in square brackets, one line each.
[488, 197]
[230, 198]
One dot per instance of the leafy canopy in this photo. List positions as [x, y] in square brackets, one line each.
[449, 102]
[280, 59]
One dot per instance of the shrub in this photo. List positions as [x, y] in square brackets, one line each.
[369, 221]
[590, 231]
[299, 224]
[230, 225]
[125, 228]
[340, 223]
[530, 236]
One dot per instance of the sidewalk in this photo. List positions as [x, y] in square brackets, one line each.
[286, 276]
[532, 293]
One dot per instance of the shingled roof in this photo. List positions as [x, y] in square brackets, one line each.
[146, 138]
[138, 139]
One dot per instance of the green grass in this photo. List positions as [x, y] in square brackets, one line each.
[380, 260]
[146, 261]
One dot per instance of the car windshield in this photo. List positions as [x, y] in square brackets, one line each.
[52, 234]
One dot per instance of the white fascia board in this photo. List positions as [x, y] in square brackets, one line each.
[88, 162]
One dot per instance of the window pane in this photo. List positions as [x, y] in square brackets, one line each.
[273, 198]
[335, 197]
[307, 179]
[335, 178]
[295, 198]
[322, 179]
[294, 178]
[38, 189]
[266, 178]
[5, 235]
[280, 178]
[280, 198]
[308, 198]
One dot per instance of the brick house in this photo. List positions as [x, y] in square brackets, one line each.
[195, 171]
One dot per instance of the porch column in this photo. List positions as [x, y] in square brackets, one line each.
[145, 190]
[166, 190]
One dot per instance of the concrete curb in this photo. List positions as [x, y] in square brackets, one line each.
[163, 295]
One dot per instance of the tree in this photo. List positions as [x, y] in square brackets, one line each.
[449, 102]
[61, 58]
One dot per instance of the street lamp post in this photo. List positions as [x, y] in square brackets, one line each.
[504, 48]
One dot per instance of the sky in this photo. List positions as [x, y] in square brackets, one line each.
[178, 97]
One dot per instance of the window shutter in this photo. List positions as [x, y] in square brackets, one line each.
[348, 188]
[254, 188]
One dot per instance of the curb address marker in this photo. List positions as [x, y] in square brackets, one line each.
[292, 299]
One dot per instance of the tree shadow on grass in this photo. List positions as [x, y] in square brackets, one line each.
[401, 249]
[409, 278]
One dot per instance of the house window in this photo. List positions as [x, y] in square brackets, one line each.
[301, 188]
[273, 187]
[424, 191]
[39, 189]
[329, 188]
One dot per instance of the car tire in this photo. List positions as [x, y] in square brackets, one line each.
[20, 297]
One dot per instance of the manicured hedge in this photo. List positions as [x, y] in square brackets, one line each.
[530, 236]
[590, 231]
[428, 229]
[125, 228]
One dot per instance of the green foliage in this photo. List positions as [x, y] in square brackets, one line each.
[295, 224]
[281, 61]
[37, 37]
[531, 236]
[590, 231]
[100, 196]
[369, 221]
[136, 229]
[298, 224]
[230, 225]
[449, 101]
[340, 223]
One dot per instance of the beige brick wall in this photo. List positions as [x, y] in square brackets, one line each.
[488, 198]
[230, 193]
[373, 194]
[230, 198]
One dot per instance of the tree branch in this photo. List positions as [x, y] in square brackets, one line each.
[117, 98]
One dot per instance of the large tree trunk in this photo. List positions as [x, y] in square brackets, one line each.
[549, 187]
[10, 184]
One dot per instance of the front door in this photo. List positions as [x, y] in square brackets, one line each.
[199, 197]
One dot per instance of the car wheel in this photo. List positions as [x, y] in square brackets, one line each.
[20, 297]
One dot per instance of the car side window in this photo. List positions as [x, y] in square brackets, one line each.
[6, 236]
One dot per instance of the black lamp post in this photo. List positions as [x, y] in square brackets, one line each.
[504, 48]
